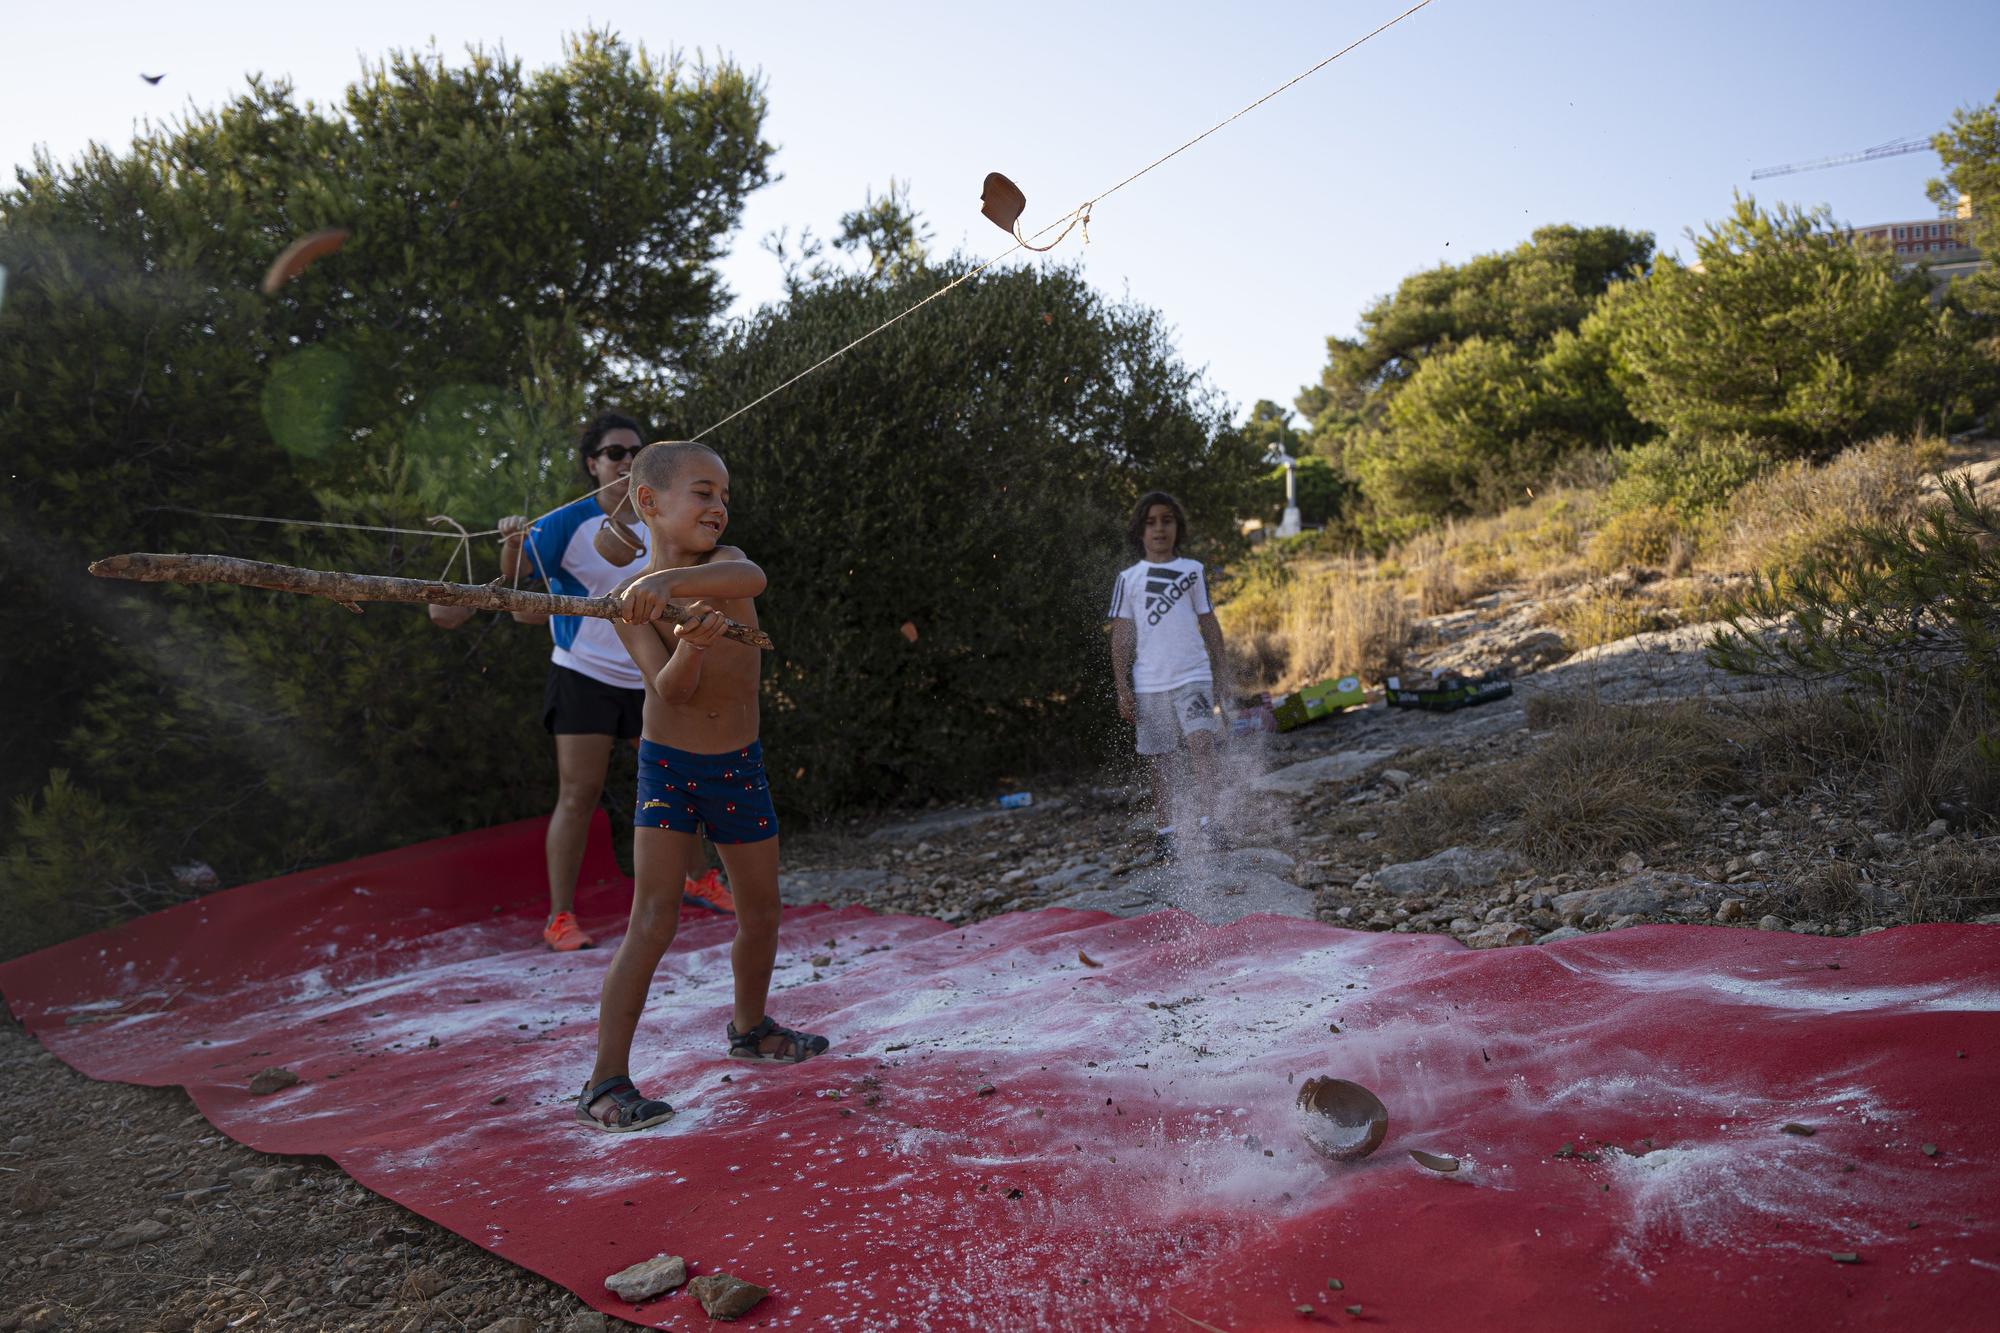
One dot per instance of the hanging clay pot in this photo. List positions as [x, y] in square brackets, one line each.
[615, 542]
[1002, 202]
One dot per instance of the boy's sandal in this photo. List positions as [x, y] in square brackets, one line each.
[750, 1045]
[630, 1108]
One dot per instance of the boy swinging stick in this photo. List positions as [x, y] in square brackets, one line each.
[700, 765]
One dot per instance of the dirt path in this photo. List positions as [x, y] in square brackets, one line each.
[125, 1211]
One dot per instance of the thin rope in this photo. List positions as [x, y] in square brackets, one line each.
[323, 523]
[1067, 221]
[463, 548]
[1080, 213]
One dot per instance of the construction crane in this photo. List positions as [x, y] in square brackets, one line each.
[1894, 148]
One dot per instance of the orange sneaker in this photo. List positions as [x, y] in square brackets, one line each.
[709, 891]
[563, 934]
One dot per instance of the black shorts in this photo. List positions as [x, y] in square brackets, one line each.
[577, 705]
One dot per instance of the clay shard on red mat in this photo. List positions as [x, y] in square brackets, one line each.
[1344, 1121]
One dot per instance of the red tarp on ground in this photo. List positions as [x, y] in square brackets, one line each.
[1004, 1137]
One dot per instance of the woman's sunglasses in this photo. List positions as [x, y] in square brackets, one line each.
[617, 453]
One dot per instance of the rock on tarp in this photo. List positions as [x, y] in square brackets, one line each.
[1616, 1104]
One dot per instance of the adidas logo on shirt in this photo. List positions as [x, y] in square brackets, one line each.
[1164, 603]
[1164, 591]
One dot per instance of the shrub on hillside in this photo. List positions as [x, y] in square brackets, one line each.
[1911, 621]
[72, 860]
[1803, 512]
[1474, 430]
[1689, 479]
[1649, 535]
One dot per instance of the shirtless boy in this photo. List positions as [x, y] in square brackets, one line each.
[700, 764]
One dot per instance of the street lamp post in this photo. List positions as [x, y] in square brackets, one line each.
[1289, 525]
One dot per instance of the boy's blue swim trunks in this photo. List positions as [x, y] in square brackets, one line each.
[726, 793]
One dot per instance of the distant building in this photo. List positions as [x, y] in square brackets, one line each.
[1929, 240]
[1943, 242]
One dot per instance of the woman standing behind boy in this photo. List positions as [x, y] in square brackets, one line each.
[595, 695]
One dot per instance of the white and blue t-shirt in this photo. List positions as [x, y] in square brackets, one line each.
[560, 549]
[1165, 604]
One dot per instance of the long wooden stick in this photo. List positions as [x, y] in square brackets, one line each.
[348, 589]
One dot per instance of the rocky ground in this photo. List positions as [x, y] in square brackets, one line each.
[124, 1210]
[1308, 811]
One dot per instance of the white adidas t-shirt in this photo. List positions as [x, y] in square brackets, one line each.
[1165, 603]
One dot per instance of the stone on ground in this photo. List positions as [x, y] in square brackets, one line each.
[1452, 868]
[1299, 779]
[643, 1281]
[725, 1297]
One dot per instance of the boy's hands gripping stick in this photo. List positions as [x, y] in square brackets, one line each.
[640, 603]
[703, 627]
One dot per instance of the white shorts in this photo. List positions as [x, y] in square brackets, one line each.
[1165, 717]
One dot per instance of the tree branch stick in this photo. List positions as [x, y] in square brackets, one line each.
[347, 589]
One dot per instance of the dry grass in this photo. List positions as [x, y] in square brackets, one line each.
[1804, 510]
[1333, 618]
[1542, 540]
[1650, 537]
[1833, 890]
[1603, 615]
[1953, 881]
[1321, 616]
[1612, 778]
[1922, 753]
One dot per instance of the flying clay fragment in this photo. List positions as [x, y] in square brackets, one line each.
[1435, 1161]
[297, 257]
[1002, 202]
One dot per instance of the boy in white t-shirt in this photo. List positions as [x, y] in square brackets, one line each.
[1166, 652]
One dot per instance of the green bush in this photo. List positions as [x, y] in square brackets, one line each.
[969, 470]
[69, 869]
[1460, 437]
[1689, 479]
[1782, 330]
[521, 238]
[1912, 622]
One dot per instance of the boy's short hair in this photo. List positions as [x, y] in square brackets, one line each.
[659, 463]
[594, 431]
[1135, 533]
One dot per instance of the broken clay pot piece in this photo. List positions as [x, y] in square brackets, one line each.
[297, 257]
[1343, 1120]
[615, 542]
[1435, 1161]
[1002, 202]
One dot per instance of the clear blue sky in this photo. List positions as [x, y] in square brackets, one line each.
[1455, 133]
